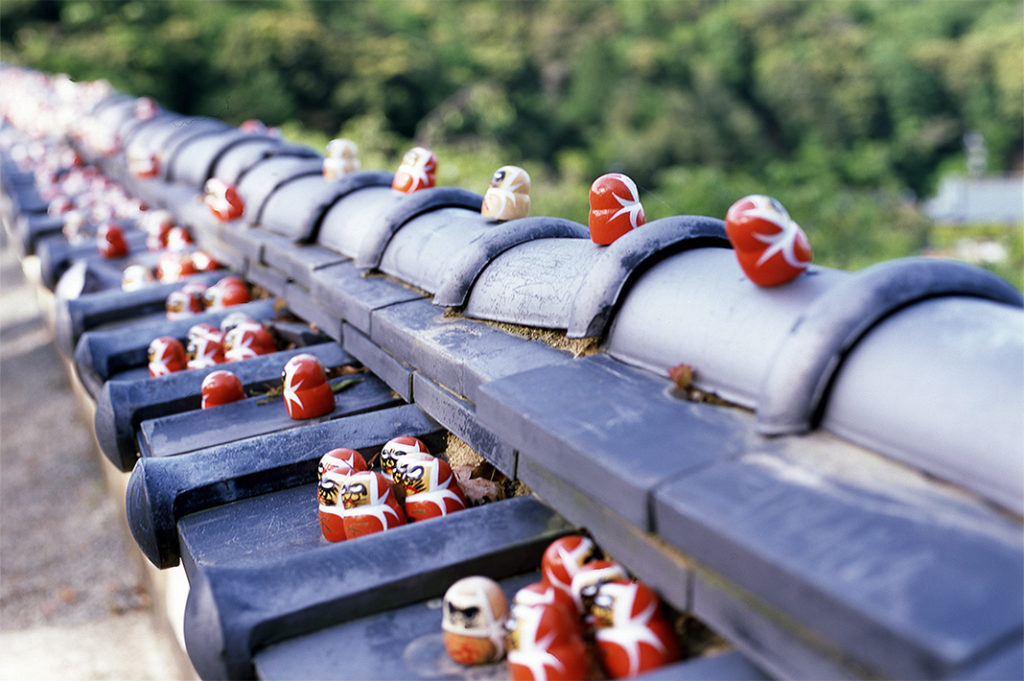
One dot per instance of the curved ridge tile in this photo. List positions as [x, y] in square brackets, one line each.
[115, 111]
[154, 133]
[266, 177]
[297, 207]
[186, 130]
[596, 298]
[344, 223]
[377, 237]
[235, 162]
[938, 386]
[805, 363]
[131, 128]
[194, 163]
[534, 283]
[467, 265]
[418, 253]
[697, 307]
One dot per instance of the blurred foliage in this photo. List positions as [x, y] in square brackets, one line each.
[847, 110]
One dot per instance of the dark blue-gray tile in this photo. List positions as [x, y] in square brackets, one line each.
[257, 415]
[613, 430]
[162, 490]
[392, 371]
[353, 295]
[400, 644]
[301, 303]
[906, 576]
[231, 613]
[727, 666]
[121, 405]
[458, 353]
[644, 554]
[783, 650]
[459, 416]
[266, 277]
[298, 260]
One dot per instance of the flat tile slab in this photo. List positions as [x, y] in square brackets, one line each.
[353, 295]
[303, 305]
[122, 405]
[266, 277]
[459, 416]
[233, 612]
[906, 576]
[397, 645]
[613, 431]
[246, 239]
[107, 352]
[391, 370]
[75, 316]
[259, 415]
[298, 260]
[459, 353]
[644, 554]
[163, 490]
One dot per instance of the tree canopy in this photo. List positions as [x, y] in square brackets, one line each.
[845, 110]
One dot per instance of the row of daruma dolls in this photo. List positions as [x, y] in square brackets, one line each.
[411, 485]
[306, 391]
[179, 259]
[585, 619]
[90, 204]
[770, 246]
[239, 337]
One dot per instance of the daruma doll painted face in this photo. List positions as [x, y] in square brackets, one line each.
[473, 620]
[508, 197]
[416, 172]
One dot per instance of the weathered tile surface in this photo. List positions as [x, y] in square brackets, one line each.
[614, 431]
[906, 578]
[255, 416]
[353, 295]
[232, 613]
[459, 416]
[163, 490]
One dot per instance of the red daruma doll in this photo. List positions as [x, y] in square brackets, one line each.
[110, 241]
[562, 560]
[431, 489]
[223, 200]
[229, 291]
[370, 505]
[416, 172]
[342, 459]
[221, 387]
[632, 634]
[614, 208]
[166, 356]
[307, 393]
[332, 510]
[205, 346]
[333, 471]
[770, 247]
[247, 339]
[543, 644]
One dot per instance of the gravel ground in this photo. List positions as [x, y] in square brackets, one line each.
[73, 598]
